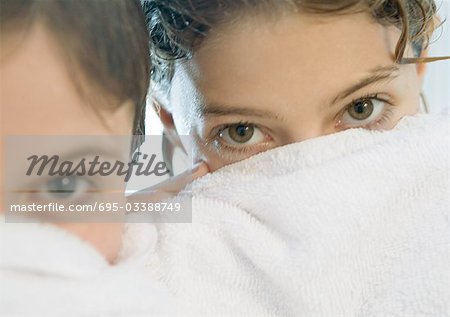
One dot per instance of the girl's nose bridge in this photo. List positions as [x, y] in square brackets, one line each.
[313, 130]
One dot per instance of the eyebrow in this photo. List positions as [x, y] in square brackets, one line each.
[218, 110]
[377, 74]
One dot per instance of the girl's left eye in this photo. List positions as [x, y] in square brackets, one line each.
[363, 112]
[242, 134]
[63, 189]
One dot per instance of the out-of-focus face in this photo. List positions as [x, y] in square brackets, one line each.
[38, 97]
[260, 83]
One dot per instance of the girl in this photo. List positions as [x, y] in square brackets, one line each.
[71, 68]
[55, 65]
[316, 228]
[243, 77]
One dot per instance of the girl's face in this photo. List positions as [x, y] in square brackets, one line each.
[259, 84]
[38, 98]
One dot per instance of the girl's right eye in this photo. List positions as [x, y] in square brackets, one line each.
[236, 141]
[241, 134]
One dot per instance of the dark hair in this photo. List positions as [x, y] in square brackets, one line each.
[106, 39]
[177, 27]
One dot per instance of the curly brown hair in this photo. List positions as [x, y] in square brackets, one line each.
[177, 27]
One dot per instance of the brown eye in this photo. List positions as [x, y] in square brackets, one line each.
[364, 113]
[361, 110]
[240, 133]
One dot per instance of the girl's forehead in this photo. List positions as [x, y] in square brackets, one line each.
[288, 58]
[29, 99]
[299, 37]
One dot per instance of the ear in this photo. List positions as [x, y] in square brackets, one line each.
[164, 116]
[166, 119]
[422, 67]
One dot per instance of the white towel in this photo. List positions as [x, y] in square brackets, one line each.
[351, 224]
[46, 271]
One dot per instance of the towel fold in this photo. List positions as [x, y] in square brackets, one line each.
[351, 224]
[46, 271]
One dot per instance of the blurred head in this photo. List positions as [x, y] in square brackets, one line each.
[100, 50]
[74, 67]
[243, 77]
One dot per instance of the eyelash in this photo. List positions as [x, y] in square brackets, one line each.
[223, 147]
[387, 113]
[37, 185]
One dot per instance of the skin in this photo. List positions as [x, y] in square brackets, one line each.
[38, 97]
[28, 104]
[280, 78]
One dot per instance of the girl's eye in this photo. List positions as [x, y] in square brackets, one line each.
[363, 112]
[63, 188]
[242, 134]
